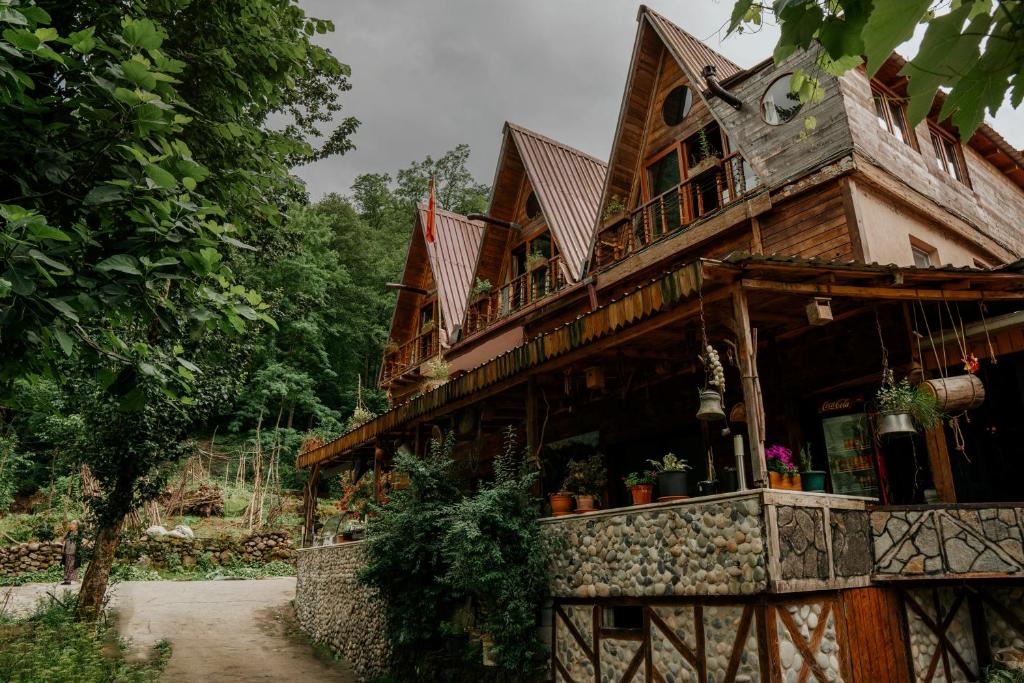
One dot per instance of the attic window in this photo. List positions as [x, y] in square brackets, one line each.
[532, 206]
[780, 104]
[676, 106]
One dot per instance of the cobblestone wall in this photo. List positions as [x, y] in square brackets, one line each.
[706, 548]
[335, 610]
[938, 542]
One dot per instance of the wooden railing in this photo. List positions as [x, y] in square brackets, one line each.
[676, 209]
[527, 289]
[411, 354]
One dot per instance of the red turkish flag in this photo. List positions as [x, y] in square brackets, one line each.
[431, 211]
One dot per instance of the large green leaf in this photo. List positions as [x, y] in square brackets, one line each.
[123, 263]
[891, 22]
[142, 33]
[944, 56]
[138, 74]
[162, 177]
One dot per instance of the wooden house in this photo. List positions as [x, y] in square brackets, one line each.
[818, 261]
[431, 302]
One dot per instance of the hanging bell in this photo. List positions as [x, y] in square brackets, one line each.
[710, 406]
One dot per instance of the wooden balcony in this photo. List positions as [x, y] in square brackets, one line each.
[676, 210]
[521, 293]
[410, 355]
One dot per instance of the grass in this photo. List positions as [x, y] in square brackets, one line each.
[129, 572]
[51, 575]
[50, 646]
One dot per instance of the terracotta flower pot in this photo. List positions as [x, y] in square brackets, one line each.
[641, 493]
[789, 482]
[585, 503]
[561, 503]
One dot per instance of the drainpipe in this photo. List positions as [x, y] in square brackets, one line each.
[716, 88]
[494, 221]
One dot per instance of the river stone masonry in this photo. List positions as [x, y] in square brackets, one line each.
[334, 609]
[707, 548]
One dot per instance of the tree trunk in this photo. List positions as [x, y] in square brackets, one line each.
[94, 584]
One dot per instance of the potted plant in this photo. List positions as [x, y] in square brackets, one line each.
[704, 157]
[427, 327]
[614, 212]
[810, 480]
[671, 474]
[782, 472]
[587, 479]
[641, 486]
[902, 408]
[481, 288]
[535, 260]
[714, 387]
[561, 503]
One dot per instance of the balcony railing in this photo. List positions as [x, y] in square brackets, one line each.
[677, 208]
[419, 349]
[527, 289]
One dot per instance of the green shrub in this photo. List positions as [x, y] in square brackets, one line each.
[451, 566]
[51, 646]
[51, 575]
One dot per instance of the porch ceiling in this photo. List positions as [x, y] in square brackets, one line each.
[646, 322]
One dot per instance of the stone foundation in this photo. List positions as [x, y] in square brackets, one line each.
[715, 547]
[334, 609]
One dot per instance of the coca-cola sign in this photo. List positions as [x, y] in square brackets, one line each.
[840, 405]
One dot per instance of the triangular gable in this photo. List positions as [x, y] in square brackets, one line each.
[567, 183]
[654, 32]
[453, 255]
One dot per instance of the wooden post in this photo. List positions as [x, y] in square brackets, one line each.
[751, 388]
[532, 433]
[938, 459]
[309, 506]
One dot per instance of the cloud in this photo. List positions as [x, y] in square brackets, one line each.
[430, 74]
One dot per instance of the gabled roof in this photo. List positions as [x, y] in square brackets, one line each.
[653, 33]
[567, 183]
[452, 255]
[692, 54]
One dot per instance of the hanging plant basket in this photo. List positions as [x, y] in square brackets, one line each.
[955, 394]
[710, 406]
[894, 424]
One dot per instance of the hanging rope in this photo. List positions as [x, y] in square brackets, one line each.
[988, 340]
[887, 378]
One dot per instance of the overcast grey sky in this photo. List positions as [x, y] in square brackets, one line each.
[430, 74]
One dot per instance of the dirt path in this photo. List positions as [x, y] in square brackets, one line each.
[219, 630]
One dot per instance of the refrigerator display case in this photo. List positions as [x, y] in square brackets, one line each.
[852, 459]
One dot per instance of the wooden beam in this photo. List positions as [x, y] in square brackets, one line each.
[938, 460]
[747, 352]
[756, 245]
[871, 292]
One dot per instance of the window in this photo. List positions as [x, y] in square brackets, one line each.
[427, 315]
[663, 174]
[948, 156]
[924, 255]
[922, 259]
[780, 104]
[891, 117]
[676, 105]
[532, 206]
[624, 617]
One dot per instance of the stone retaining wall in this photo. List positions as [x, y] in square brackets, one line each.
[169, 551]
[30, 557]
[159, 551]
[712, 547]
[335, 610]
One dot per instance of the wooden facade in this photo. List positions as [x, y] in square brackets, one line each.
[915, 270]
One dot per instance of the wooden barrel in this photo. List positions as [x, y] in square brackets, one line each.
[953, 394]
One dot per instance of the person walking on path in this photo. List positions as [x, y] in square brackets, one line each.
[72, 560]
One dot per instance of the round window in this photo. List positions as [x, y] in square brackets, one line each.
[780, 104]
[532, 206]
[677, 105]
